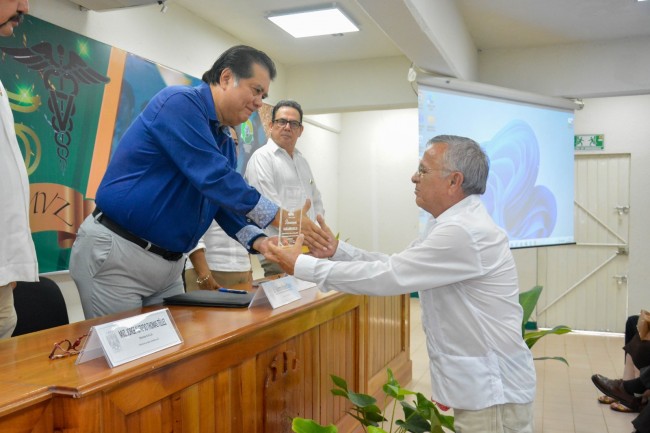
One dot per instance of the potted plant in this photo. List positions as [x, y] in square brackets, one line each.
[419, 414]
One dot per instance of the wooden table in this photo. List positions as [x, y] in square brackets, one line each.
[237, 370]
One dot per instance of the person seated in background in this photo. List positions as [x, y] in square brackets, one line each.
[217, 261]
[637, 356]
[629, 370]
[626, 391]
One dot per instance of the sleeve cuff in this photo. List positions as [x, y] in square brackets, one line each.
[343, 252]
[304, 267]
[263, 213]
[247, 235]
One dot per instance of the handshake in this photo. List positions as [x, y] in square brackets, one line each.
[317, 236]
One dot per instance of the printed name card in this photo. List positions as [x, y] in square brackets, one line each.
[278, 292]
[128, 339]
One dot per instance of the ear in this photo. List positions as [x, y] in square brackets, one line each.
[226, 77]
[456, 180]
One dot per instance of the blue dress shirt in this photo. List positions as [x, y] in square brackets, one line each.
[173, 172]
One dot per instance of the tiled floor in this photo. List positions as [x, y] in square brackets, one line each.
[566, 399]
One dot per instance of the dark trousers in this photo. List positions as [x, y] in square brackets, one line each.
[642, 422]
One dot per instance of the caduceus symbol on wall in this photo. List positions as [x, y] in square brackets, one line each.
[62, 81]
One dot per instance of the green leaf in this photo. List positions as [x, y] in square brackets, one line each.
[447, 421]
[415, 423]
[557, 358]
[301, 425]
[340, 382]
[532, 337]
[376, 417]
[372, 429]
[391, 390]
[528, 301]
[362, 400]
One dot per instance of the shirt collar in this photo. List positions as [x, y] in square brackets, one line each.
[206, 96]
[468, 202]
[277, 148]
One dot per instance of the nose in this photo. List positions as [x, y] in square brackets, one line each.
[416, 177]
[23, 6]
[258, 101]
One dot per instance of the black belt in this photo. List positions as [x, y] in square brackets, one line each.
[101, 218]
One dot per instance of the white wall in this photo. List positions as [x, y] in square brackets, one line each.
[378, 153]
[319, 144]
[617, 67]
[625, 122]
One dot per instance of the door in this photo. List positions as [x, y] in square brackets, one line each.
[585, 285]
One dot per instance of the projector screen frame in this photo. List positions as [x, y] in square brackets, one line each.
[507, 96]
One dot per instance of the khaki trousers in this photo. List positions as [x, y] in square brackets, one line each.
[502, 418]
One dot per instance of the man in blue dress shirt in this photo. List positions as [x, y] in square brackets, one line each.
[173, 173]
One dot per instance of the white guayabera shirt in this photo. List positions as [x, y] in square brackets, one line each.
[17, 252]
[466, 277]
[270, 169]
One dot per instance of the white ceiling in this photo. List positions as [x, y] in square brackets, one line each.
[389, 28]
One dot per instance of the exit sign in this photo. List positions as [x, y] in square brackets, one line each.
[589, 142]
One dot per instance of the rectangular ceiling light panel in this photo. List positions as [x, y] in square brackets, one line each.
[314, 23]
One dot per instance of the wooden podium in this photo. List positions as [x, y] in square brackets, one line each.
[237, 370]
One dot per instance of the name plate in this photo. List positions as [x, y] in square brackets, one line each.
[278, 292]
[128, 339]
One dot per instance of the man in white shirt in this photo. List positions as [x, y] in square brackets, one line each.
[217, 261]
[467, 281]
[278, 165]
[17, 252]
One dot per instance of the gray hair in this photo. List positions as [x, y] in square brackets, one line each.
[466, 156]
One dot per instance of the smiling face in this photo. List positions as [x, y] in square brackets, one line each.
[10, 12]
[286, 135]
[235, 100]
[436, 187]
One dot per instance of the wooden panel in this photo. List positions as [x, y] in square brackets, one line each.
[236, 371]
[35, 419]
[78, 416]
[339, 356]
[388, 339]
[235, 399]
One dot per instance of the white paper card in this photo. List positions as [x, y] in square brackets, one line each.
[281, 291]
[259, 298]
[303, 285]
[128, 339]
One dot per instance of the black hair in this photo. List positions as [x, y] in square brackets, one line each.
[287, 103]
[240, 60]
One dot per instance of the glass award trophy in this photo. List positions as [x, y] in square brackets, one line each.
[290, 215]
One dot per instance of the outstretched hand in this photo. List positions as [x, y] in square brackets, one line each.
[316, 238]
[285, 255]
[332, 245]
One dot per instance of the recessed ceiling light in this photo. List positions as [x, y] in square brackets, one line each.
[301, 24]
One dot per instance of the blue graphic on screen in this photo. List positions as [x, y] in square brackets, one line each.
[530, 185]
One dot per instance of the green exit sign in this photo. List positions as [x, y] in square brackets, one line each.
[589, 142]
